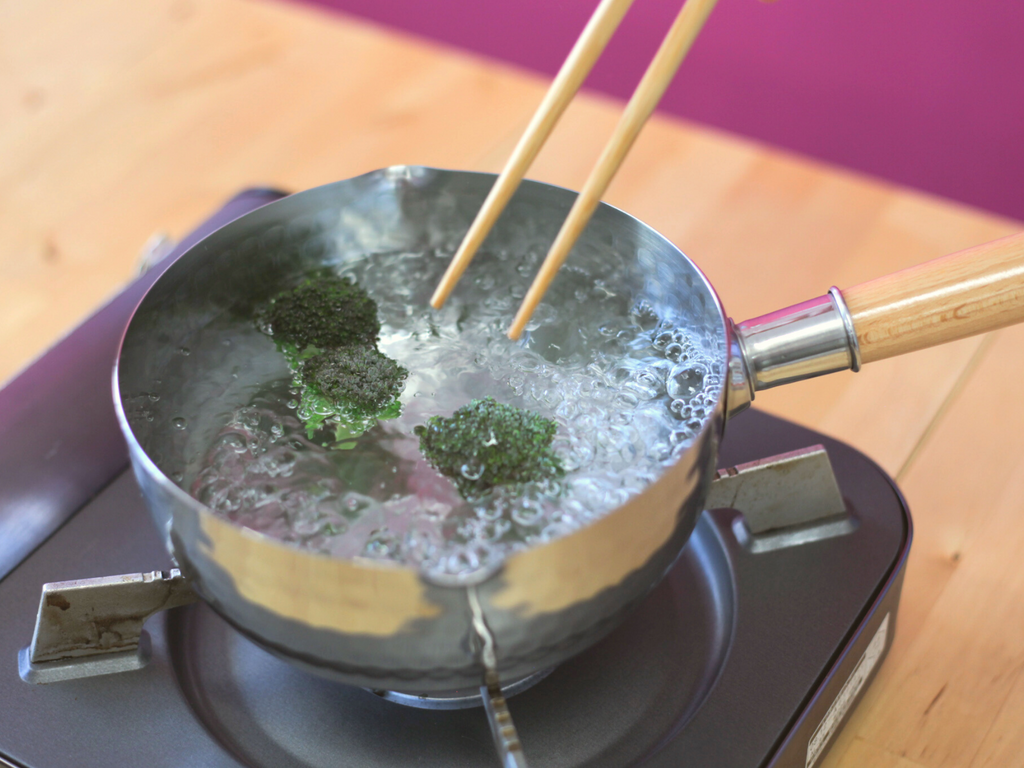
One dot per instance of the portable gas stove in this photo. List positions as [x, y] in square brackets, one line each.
[753, 651]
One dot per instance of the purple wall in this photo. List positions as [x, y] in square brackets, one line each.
[929, 93]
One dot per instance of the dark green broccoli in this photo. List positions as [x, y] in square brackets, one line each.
[325, 312]
[343, 421]
[487, 443]
[327, 329]
[361, 376]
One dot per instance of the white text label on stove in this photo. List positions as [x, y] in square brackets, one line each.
[828, 725]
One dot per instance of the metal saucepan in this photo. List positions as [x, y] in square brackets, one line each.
[385, 626]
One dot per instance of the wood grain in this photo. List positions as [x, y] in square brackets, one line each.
[957, 668]
[955, 665]
[1003, 745]
[119, 119]
[864, 753]
[963, 294]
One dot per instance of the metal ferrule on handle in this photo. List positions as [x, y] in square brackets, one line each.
[800, 342]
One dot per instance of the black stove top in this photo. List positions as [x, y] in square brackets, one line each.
[744, 656]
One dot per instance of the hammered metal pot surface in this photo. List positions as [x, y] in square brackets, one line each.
[366, 622]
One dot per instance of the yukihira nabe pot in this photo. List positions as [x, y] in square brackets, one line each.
[385, 626]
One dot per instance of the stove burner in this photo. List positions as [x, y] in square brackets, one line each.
[461, 699]
[611, 705]
[753, 651]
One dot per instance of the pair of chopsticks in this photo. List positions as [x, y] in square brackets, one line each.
[581, 60]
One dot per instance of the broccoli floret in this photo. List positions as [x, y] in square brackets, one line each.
[346, 418]
[361, 376]
[487, 443]
[345, 422]
[324, 312]
[327, 329]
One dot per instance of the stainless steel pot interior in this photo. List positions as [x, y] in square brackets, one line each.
[366, 622]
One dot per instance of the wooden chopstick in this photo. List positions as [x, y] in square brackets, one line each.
[659, 74]
[577, 66]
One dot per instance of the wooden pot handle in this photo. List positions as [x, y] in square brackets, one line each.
[952, 297]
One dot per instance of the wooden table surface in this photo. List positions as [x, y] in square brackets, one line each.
[121, 119]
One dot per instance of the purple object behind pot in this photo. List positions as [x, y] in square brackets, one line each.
[925, 94]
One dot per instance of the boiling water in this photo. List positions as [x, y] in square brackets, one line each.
[628, 385]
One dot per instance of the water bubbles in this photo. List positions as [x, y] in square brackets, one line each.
[353, 504]
[466, 563]
[676, 352]
[626, 400]
[644, 314]
[662, 339]
[567, 410]
[516, 384]
[544, 314]
[492, 505]
[528, 514]
[235, 442]
[680, 436]
[627, 381]
[435, 510]
[179, 422]
[304, 525]
[686, 380]
[419, 541]
[248, 417]
[382, 544]
[473, 470]
[492, 530]
[645, 383]
[555, 531]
